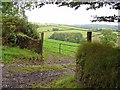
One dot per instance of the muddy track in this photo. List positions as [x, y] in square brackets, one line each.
[27, 80]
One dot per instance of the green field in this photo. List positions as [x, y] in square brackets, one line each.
[47, 29]
[62, 47]
[60, 27]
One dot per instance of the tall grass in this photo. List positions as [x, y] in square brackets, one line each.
[10, 54]
[64, 82]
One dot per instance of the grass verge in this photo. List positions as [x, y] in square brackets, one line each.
[64, 81]
[30, 69]
[10, 54]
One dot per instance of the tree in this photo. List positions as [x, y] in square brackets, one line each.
[108, 37]
[13, 16]
[14, 21]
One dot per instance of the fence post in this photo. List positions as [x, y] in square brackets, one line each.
[42, 38]
[60, 48]
[89, 36]
[119, 39]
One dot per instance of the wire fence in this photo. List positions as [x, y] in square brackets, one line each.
[61, 48]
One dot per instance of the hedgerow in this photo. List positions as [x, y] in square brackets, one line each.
[74, 37]
[98, 65]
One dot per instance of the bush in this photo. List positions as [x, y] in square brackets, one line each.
[12, 39]
[68, 36]
[97, 66]
[11, 25]
[17, 24]
[31, 31]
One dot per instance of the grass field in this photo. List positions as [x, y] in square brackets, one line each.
[61, 47]
[62, 28]
[54, 45]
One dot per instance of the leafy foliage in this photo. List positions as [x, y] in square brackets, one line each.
[31, 30]
[15, 21]
[97, 66]
[108, 37]
[12, 25]
[67, 36]
[13, 8]
[12, 39]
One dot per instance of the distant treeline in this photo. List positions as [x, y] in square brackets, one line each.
[98, 26]
[75, 37]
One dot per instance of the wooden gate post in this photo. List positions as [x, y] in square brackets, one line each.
[42, 38]
[89, 36]
[60, 48]
[118, 39]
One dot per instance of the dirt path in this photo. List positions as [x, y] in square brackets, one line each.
[27, 80]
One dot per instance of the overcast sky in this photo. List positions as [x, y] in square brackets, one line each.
[66, 15]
